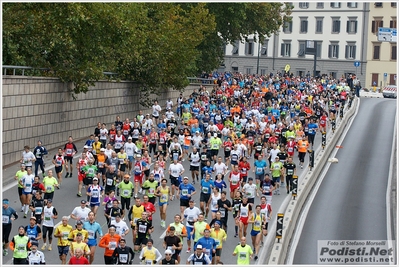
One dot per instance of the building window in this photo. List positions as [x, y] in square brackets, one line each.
[333, 50]
[393, 52]
[350, 51]
[376, 51]
[393, 4]
[304, 25]
[333, 74]
[351, 26]
[249, 47]
[263, 71]
[235, 48]
[286, 49]
[320, 5]
[335, 4]
[392, 79]
[392, 23]
[249, 70]
[374, 79]
[319, 25]
[378, 4]
[301, 51]
[234, 69]
[303, 4]
[375, 24]
[336, 25]
[287, 27]
[352, 4]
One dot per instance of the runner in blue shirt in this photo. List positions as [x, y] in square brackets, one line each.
[260, 166]
[206, 191]
[94, 229]
[208, 244]
[185, 192]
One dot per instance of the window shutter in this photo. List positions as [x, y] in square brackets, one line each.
[391, 24]
[332, 4]
[337, 51]
[318, 50]
[346, 51]
[393, 56]
[338, 26]
[290, 26]
[339, 4]
[381, 24]
[373, 26]
[356, 26]
[282, 50]
[347, 26]
[329, 51]
[306, 26]
[354, 52]
[246, 48]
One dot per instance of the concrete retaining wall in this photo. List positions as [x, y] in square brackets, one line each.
[41, 108]
[305, 185]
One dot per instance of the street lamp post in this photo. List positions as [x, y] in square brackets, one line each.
[257, 64]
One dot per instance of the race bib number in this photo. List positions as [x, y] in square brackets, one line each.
[123, 258]
[112, 245]
[205, 190]
[259, 170]
[142, 229]
[69, 151]
[91, 234]
[151, 191]
[227, 148]
[290, 149]
[5, 219]
[126, 193]
[110, 181]
[118, 145]
[266, 189]
[125, 132]
[184, 192]
[290, 172]
[243, 255]
[38, 210]
[101, 164]
[244, 213]
[121, 161]
[90, 171]
[95, 194]
[65, 235]
[164, 198]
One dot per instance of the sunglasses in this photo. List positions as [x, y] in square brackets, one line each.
[168, 254]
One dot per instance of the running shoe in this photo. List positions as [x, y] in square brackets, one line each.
[188, 250]
[44, 247]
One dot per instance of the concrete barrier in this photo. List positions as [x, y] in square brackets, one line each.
[305, 185]
[371, 94]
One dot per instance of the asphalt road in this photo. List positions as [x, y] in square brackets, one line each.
[65, 200]
[350, 203]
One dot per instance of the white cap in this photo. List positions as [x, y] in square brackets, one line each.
[102, 149]
[168, 251]
[199, 246]
[215, 135]
[86, 147]
[129, 138]
[95, 178]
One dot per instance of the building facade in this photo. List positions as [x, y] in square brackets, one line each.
[340, 32]
[381, 55]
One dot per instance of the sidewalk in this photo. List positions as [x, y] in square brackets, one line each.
[10, 170]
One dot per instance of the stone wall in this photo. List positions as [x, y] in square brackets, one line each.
[39, 108]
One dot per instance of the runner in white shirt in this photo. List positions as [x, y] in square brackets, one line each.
[81, 213]
[169, 104]
[103, 134]
[191, 216]
[130, 149]
[197, 139]
[155, 112]
[250, 190]
[121, 227]
[175, 170]
[108, 151]
[48, 216]
[273, 152]
[220, 168]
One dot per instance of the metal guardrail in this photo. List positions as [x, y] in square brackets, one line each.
[23, 68]
[200, 80]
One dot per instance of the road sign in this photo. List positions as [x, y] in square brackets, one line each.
[287, 68]
[279, 228]
[387, 34]
[356, 64]
[294, 185]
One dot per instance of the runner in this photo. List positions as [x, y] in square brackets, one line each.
[94, 230]
[110, 242]
[50, 183]
[257, 220]
[198, 257]
[149, 254]
[142, 231]
[49, 214]
[194, 158]
[185, 192]
[69, 151]
[290, 171]
[276, 168]
[137, 211]
[27, 157]
[244, 252]
[173, 243]
[191, 215]
[164, 193]
[123, 255]
[26, 182]
[37, 206]
[244, 213]
[39, 152]
[81, 212]
[95, 192]
[220, 236]
[18, 176]
[20, 244]
[62, 233]
[8, 216]
[175, 171]
[59, 162]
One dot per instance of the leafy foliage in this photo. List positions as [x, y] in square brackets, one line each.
[156, 44]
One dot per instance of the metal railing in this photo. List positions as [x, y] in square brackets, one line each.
[23, 68]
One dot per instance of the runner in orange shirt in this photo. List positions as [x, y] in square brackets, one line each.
[302, 148]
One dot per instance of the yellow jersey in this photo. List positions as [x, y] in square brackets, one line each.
[65, 231]
[218, 235]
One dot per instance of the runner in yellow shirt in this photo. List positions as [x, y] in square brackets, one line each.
[220, 236]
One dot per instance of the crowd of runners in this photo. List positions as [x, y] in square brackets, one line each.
[130, 171]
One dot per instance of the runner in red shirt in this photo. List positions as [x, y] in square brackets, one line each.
[323, 122]
[78, 259]
[291, 146]
[149, 207]
[244, 167]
